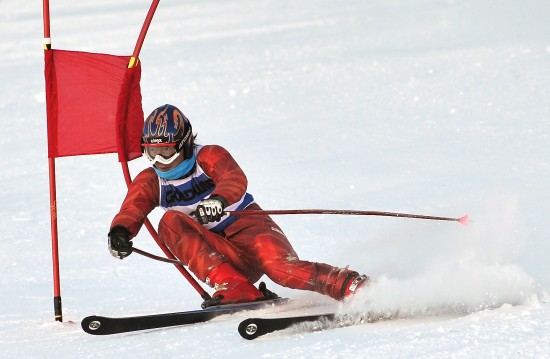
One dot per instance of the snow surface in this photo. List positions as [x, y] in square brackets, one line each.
[422, 106]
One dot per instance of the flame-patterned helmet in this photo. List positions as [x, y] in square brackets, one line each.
[167, 125]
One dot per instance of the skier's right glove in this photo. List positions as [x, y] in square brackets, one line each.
[120, 245]
[210, 210]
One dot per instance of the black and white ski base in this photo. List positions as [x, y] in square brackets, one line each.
[253, 328]
[98, 325]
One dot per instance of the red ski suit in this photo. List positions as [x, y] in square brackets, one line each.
[255, 245]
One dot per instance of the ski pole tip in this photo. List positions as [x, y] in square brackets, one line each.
[464, 220]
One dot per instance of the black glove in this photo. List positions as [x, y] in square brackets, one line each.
[210, 210]
[120, 245]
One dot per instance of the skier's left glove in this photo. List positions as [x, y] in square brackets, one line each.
[120, 245]
[210, 210]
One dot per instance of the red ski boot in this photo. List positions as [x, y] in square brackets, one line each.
[353, 282]
[231, 287]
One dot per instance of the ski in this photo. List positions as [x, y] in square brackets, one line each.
[99, 325]
[253, 328]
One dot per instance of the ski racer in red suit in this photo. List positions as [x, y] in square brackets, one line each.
[195, 184]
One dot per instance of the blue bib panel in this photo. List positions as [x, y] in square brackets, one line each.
[185, 194]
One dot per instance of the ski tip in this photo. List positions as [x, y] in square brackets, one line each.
[92, 325]
[464, 220]
[248, 329]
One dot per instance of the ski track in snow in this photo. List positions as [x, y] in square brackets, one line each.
[430, 107]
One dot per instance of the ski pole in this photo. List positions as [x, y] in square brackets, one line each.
[157, 258]
[464, 219]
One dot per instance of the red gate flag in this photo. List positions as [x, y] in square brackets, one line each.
[93, 104]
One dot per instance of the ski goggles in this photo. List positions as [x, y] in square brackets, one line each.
[163, 153]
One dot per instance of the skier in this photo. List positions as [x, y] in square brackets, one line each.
[195, 184]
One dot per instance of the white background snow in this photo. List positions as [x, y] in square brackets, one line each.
[422, 106]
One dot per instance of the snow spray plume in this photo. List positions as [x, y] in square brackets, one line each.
[431, 271]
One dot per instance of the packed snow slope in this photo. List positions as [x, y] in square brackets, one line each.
[423, 106]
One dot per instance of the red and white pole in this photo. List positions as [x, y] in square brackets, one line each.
[53, 201]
